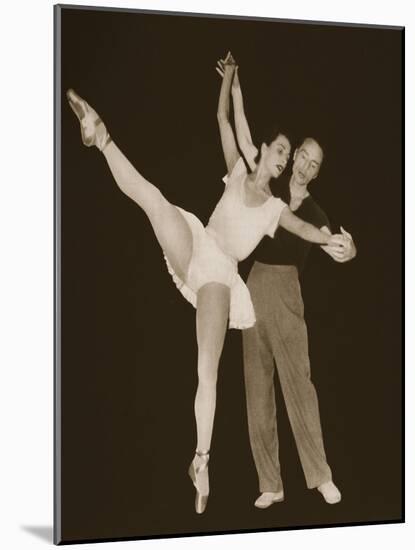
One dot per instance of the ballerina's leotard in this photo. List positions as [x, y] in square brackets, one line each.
[233, 231]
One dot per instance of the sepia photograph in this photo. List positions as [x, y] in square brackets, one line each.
[228, 274]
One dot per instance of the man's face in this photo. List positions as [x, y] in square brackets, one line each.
[307, 160]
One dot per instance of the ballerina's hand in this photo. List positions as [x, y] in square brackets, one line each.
[337, 241]
[228, 65]
[341, 248]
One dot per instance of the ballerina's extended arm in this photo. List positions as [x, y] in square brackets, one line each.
[243, 134]
[227, 136]
[307, 231]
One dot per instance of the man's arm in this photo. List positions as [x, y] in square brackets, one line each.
[340, 253]
[230, 150]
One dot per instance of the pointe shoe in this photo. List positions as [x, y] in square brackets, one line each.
[330, 492]
[93, 130]
[265, 500]
[200, 477]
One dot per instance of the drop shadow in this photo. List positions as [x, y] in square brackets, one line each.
[44, 532]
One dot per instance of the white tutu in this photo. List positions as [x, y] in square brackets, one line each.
[210, 264]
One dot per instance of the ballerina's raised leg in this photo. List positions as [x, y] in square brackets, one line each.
[175, 237]
[170, 227]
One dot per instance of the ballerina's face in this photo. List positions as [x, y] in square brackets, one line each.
[276, 155]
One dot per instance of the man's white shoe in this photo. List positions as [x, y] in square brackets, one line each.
[330, 492]
[267, 499]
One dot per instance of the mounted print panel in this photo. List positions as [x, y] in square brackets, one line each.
[228, 230]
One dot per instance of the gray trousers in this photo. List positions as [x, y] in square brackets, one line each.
[280, 335]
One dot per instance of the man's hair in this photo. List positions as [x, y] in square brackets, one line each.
[312, 140]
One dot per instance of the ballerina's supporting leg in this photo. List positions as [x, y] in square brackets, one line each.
[211, 322]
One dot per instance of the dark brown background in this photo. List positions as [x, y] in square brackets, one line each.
[128, 361]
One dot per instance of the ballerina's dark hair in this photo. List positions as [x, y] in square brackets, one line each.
[268, 137]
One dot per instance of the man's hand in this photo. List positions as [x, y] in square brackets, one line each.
[343, 250]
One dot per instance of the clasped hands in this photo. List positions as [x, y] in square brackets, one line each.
[228, 66]
[341, 247]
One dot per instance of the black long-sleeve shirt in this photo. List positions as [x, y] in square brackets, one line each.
[285, 248]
